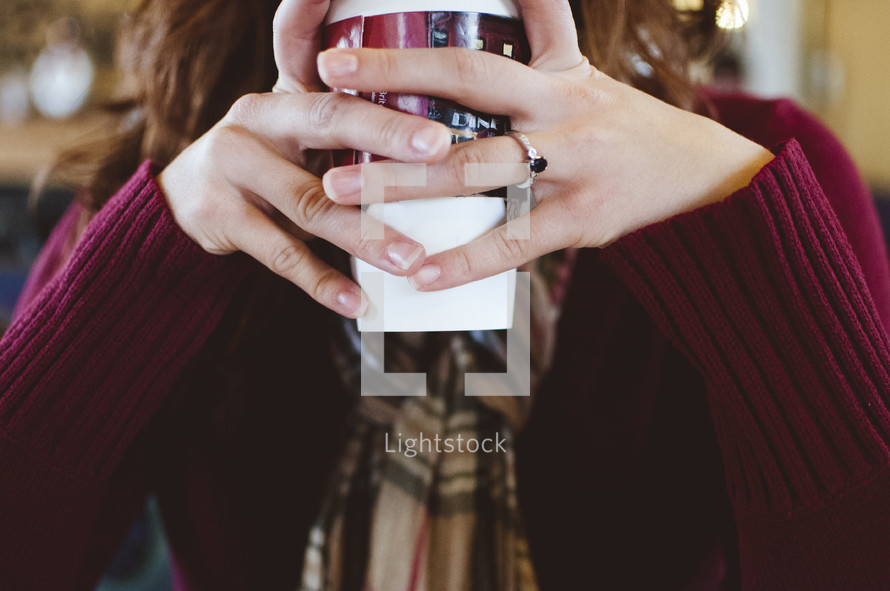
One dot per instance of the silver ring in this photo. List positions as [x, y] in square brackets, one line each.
[536, 162]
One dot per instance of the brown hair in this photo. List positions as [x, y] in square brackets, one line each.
[649, 44]
[185, 62]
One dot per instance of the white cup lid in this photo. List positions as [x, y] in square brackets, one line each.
[344, 9]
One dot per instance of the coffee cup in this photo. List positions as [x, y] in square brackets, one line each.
[441, 223]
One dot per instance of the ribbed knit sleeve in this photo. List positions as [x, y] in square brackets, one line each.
[85, 366]
[766, 297]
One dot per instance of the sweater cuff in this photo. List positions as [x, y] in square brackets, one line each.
[88, 363]
[764, 294]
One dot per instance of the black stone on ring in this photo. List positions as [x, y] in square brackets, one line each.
[536, 163]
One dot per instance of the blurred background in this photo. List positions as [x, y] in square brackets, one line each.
[56, 61]
[55, 66]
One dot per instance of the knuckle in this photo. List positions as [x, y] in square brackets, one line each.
[223, 142]
[286, 260]
[388, 131]
[469, 155]
[574, 95]
[377, 175]
[323, 287]
[463, 263]
[324, 110]
[369, 244]
[245, 109]
[510, 249]
[279, 24]
[387, 65]
[366, 249]
[205, 206]
[310, 205]
[203, 211]
[471, 68]
[215, 239]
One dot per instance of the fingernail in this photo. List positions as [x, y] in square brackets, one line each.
[336, 63]
[352, 302]
[403, 254]
[429, 140]
[342, 182]
[424, 276]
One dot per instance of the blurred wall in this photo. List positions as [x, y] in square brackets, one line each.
[857, 38]
[831, 56]
[773, 48]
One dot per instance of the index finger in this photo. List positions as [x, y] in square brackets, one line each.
[476, 79]
[296, 37]
[503, 248]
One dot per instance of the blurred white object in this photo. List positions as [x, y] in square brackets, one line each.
[773, 49]
[63, 73]
[14, 105]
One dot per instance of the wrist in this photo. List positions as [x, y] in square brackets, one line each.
[735, 164]
[718, 168]
[717, 163]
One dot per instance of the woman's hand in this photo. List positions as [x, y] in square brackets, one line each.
[244, 185]
[618, 158]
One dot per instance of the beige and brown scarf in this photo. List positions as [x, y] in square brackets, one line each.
[425, 519]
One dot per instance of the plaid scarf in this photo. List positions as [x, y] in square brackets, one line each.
[416, 503]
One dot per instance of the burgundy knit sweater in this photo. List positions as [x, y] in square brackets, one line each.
[716, 416]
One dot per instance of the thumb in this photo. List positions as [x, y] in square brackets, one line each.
[551, 34]
[296, 34]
